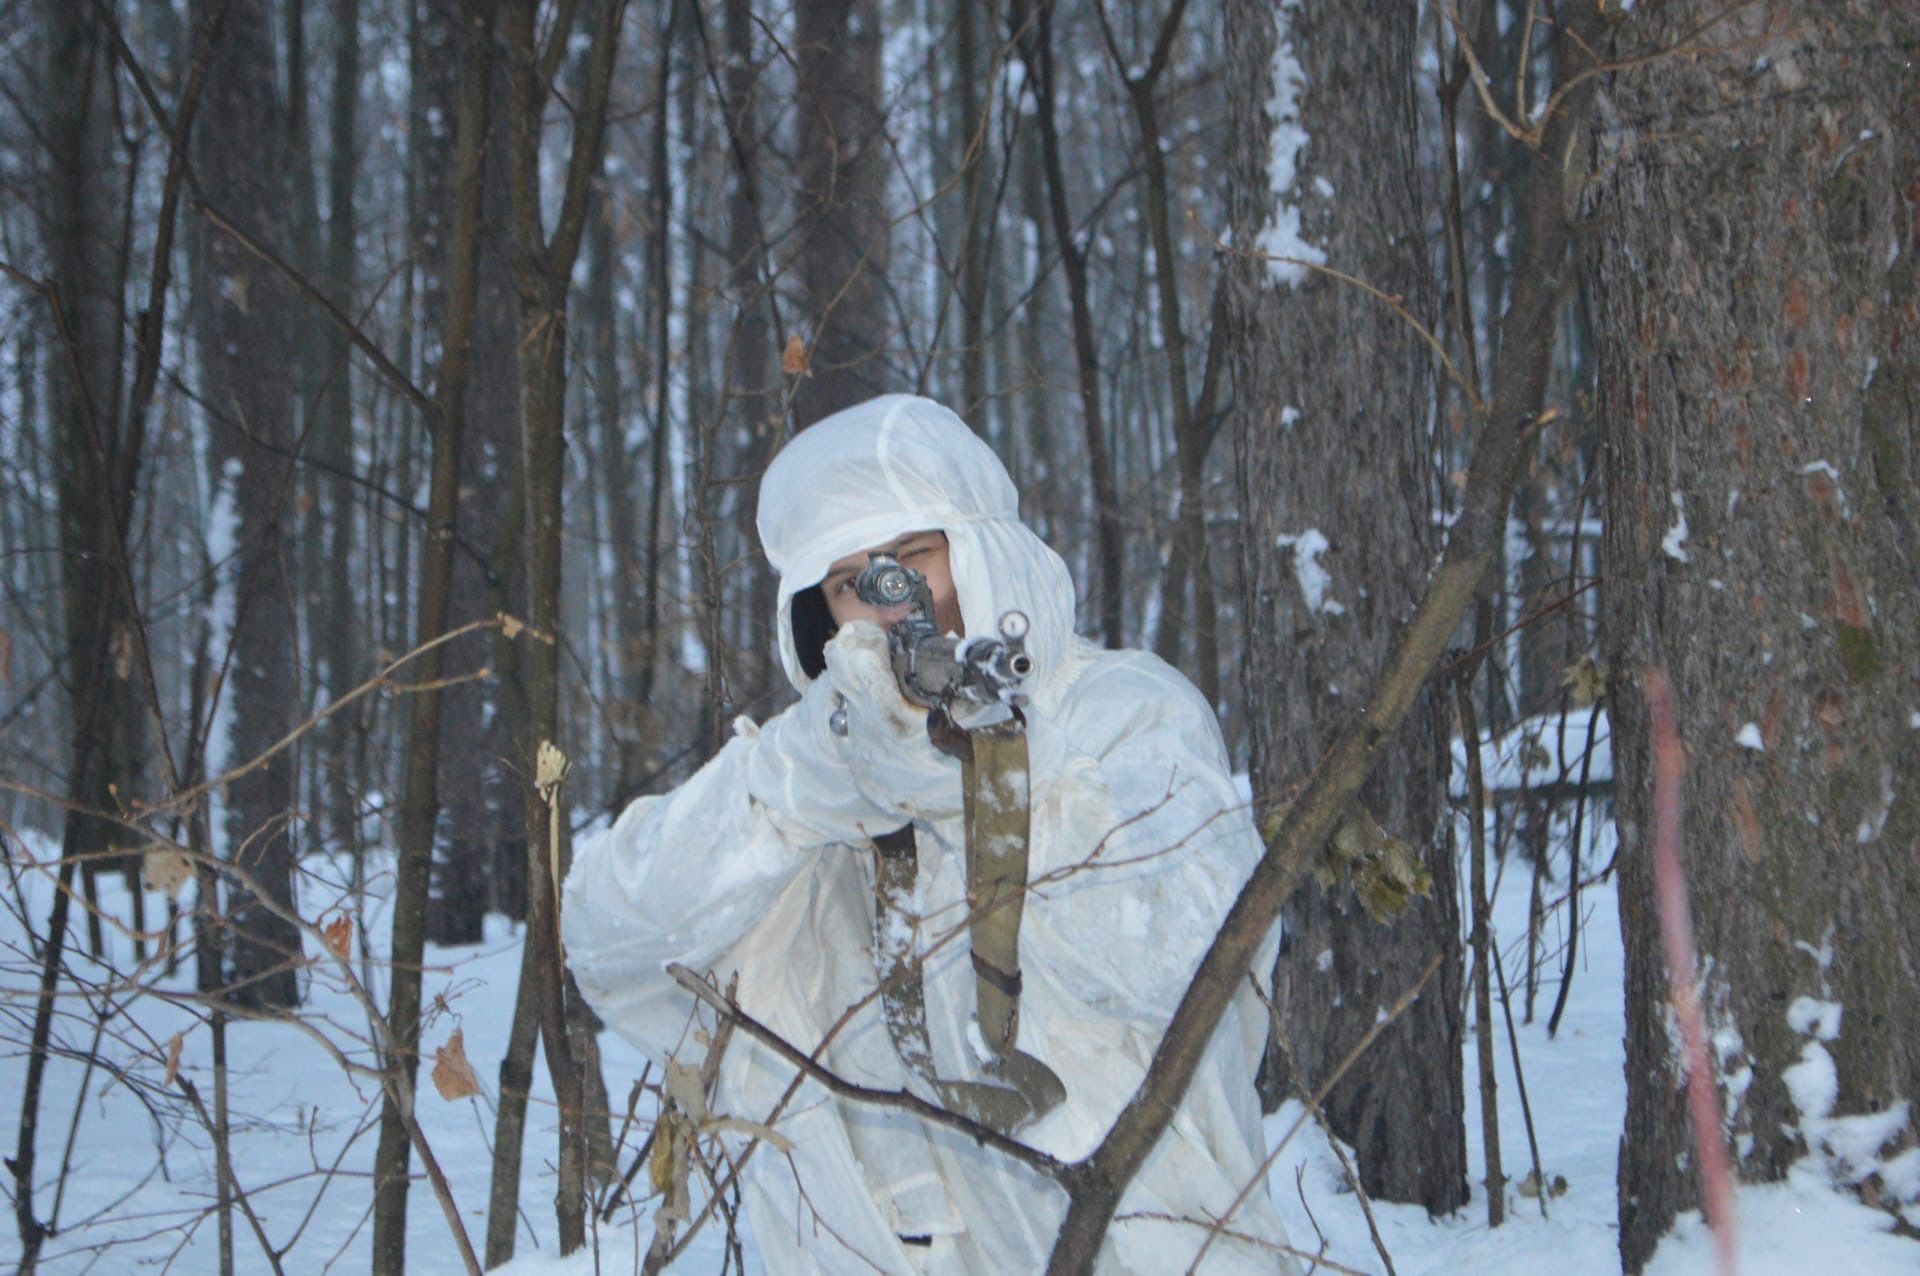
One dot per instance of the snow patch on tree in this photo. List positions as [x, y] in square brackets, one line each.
[1674, 543]
[1315, 581]
[1850, 1147]
[1282, 236]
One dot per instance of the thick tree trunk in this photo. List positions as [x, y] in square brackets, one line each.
[1333, 405]
[80, 377]
[840, 172]
[1759, 341]
[484, 830]
[246, 360]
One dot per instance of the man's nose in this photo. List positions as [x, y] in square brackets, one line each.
[891, 616]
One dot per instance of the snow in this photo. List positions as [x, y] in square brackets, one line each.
[1749, 738]
[297, 1114]
[1282, 237]
[1674, 543]
[1813, 1083]
[1315, 581]
[1541, 751]
[1811, 1017]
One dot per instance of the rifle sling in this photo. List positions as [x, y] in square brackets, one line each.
[997, 791]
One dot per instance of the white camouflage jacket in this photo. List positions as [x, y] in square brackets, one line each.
[759, 867]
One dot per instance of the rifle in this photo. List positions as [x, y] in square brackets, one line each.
[935, 669]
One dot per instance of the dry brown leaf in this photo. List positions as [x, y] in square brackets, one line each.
[452, 1074]
[173, 1058]
[510, 626]
[165, 870]
[6, 656]
[339, 933]
[793, 360]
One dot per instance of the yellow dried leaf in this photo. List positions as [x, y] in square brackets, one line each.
[1586, 680]
[339, 933]
[452, 1074]
[793, 360]
[660, 1165]
[550, 768]
[510, 626]
[174, 1043]
[165, 871]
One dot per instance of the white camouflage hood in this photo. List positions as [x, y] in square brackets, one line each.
[900, 464]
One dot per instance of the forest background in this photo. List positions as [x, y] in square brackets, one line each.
[384, 386]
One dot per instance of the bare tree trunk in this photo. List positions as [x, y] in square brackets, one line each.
[246, 359]
[510, 1123]
[1333, 394]
[1759, 370]
[1033, 32]
[99, 456]
[420, 808]
[484, 819]
[628, 713]
[840, 173]
[1193, 424]
[755, 387]
[333, 434]
[976, 185]
[543, 267]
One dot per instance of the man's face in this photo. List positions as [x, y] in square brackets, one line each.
[924, 552]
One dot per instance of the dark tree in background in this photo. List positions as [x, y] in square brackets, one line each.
[1759, 333]
[244, 313]
[840, 183]
[1333, 395]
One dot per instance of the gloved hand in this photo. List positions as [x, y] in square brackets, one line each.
[886, 747]
[797, 773]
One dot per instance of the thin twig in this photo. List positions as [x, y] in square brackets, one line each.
[1285, 1043]
[1360, 1047]
[239, 1194]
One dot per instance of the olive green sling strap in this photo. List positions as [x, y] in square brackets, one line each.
[997, 790]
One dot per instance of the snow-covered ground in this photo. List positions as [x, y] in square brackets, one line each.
[140, 1173]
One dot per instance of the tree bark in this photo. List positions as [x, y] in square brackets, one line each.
[79, 208]
[420, 807]
[246, 362]
[1503, 425]
[1338, 496]
[478, 864]
[840, 179]
[543, 267]
[333, 435]
[1759, 347]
